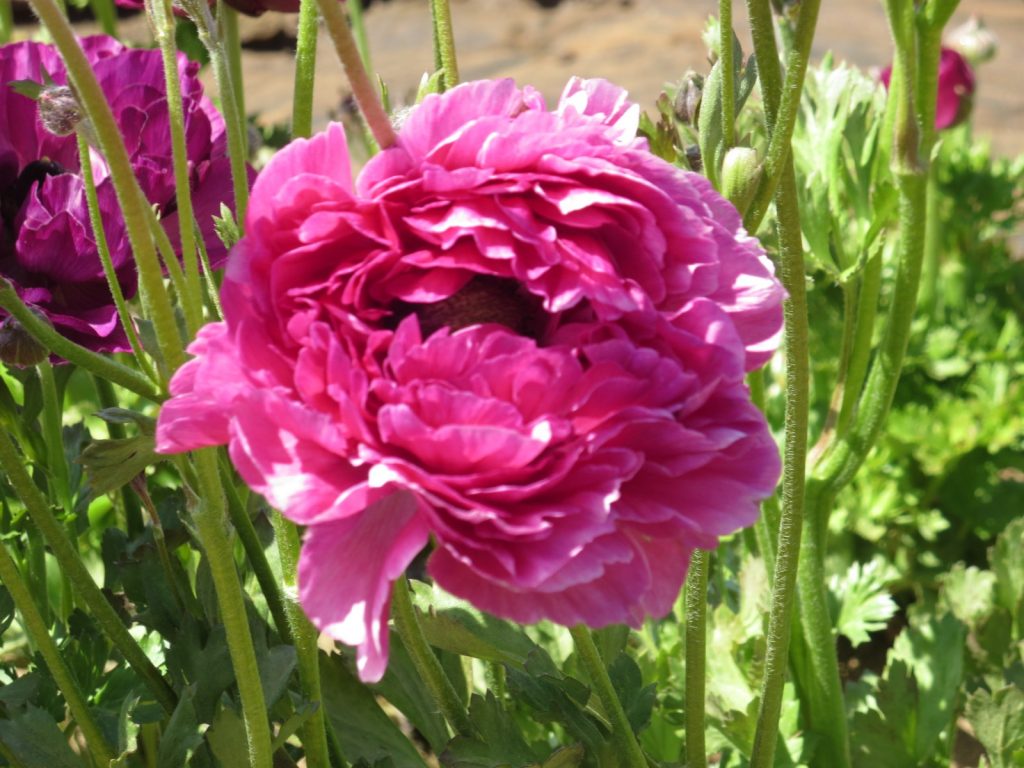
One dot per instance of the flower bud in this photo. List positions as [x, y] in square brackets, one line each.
[18, 347]
[741, 172]
[974, 40]
[687, 102]
[59, 110]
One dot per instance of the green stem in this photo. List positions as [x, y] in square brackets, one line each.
[362, 87]
[100, 365]
[864, 332]
[6, 21]
[839, 393]
[932, 245]
[304, 634]
[53, 434]
[726, 54]
[228, 19]
[100, 236]
[81, 580]
[36, 629]
[305, 70]
[786, 103]
[161, 14]
[210, 518]
[234, 120]
[156, 301]
[426, 662]
[793, 473]
[355, 14]
[106, 15]
[696, 672]
[257, 557]
[622, 732]
[441, 13]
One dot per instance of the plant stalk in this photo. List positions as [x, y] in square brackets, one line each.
[444, 39]
[696, 667]
[305, 70]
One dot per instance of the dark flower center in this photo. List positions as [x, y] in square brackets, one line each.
[13, 197]
[484, 299]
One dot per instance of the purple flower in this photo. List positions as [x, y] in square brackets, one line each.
[47, 248]
[956, 89]
[248, 7]
[518, 334]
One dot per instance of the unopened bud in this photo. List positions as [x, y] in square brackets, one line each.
[693, 158]
[741, 172]
[974, 40]
[687, 102]
[59, 110]
[17, 347]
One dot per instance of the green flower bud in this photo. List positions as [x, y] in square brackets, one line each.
[59, 110]
[741, 172]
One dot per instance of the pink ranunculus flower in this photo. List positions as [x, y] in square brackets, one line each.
[519, 334]
[956, 89]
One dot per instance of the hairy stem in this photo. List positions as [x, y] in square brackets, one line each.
[305, 70]
[696, 638]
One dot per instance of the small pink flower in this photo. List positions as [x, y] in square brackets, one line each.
[519, 335]
[956, 89]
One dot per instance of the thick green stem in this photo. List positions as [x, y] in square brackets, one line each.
[99, 235]
[622, 732]
[696, 671]
[726, 52]
[426, 662]
[864, 331]
[36, 629]
[64, 551]
[231, 35]
[45, 334]
[257, 557]
[781, 117]
[234, 119]
[155, 298]
[793, 473]
[304, 638]
[362, 87]
[53, 434]
[6, 21]
[106, 15]
[211, 522]
[161, 14]
[305, 70]
[932, 246]
[444, 39]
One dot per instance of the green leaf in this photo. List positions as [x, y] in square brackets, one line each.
[1007, 561]
[454, 625]
[110, 464]
[969, 593]
[998, 722]
[35, 740]
[182, 735]
[637, 699]
[885, 736]
[403, 687]
[363, 729]
[146, 424]
[498, 741]
[276, 667]
[226, 736]
[865, 604]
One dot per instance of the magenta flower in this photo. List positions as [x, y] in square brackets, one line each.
[520, 335]
[47, 248]
[956, 89]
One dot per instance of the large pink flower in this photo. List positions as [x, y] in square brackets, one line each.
[519, 334]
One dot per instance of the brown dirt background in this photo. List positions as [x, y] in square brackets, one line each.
[639, 44]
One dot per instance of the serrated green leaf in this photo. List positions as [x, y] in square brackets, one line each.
[146, 424]
[969, 593]
[1007, 561]
[34, 738]
[111, 464]
[865, 604]
[637, 699]
[497, 743]
[998, 722]
[455, 625]
[226, 736]
[183, 734]
[363, 729]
